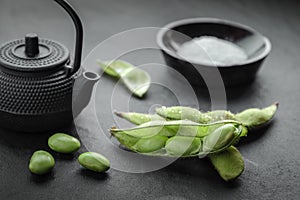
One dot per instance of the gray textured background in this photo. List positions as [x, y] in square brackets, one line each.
[272, 165]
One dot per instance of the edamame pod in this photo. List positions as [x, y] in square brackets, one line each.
[182, 146]
[135, 79]
[172, 128]
[41, 162]
[139, 118]
[142, 140]
[115, 68]
[218, 137]
[229, 163]
[254, 118]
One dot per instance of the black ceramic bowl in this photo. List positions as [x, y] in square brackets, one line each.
[256, 46]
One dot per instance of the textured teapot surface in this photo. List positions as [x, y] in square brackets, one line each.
[35, 84]
[37, 79]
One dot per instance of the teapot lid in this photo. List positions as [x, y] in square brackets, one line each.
[33, 54]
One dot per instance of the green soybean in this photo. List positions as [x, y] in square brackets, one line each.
[183, 146]
[229, 163]
[63, 143]
[147, 145]
[255, 118]
[94, 162]
[139, 118]
[41, 162]
[221, 138]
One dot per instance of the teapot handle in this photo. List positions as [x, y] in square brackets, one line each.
[79, 33]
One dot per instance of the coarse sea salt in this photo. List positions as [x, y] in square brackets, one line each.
[212, 50]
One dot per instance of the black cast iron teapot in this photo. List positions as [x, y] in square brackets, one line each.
[38, 81]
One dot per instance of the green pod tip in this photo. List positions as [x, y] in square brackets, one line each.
[255, 118]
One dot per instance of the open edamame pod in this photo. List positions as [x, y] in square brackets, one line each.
[228, 163]
[255, 118]
[115, 68]
[148, 140]
[172, 128]
[136, 80]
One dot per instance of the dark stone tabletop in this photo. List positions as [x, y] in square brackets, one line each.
[271, 155]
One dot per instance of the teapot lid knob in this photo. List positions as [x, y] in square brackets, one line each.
[32, 44]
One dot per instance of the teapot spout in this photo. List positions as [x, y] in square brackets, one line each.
[83, 90]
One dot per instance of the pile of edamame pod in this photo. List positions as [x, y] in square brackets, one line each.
[187, 132]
